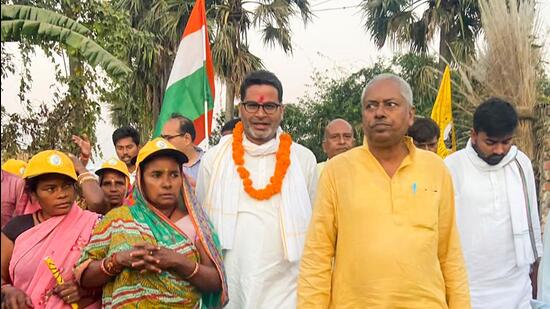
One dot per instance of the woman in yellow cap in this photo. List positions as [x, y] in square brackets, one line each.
[59, 229]
[14, 199]
[161, 252]
[114, 179]
[15, 167]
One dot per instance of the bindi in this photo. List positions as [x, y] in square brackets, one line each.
[261, 99]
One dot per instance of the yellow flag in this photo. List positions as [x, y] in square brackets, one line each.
[442, 115]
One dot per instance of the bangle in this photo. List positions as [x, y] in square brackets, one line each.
[86, 173]
[85, 179]
[195, 271]
[113, 266]
[110, 266]
[104, 269]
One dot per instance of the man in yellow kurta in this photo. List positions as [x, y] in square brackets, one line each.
[383, 231]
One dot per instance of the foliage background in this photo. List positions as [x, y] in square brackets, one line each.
[331, 98]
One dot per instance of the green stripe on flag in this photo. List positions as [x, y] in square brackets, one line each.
[185, 97]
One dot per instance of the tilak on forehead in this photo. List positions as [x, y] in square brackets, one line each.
[261, 99]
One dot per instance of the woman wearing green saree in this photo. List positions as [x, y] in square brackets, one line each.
[161, 252]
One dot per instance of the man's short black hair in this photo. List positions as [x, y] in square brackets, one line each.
[186, 125]
[230, 125]
[261, 77]
[423, 130]
[125, 132]
[496, 117]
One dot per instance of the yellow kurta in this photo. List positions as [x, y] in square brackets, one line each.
[394, 240]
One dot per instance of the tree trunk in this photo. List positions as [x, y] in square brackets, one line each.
[229, 100]
[75, 67]
[444, 50]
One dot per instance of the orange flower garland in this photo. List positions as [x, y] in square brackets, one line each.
[281, 165]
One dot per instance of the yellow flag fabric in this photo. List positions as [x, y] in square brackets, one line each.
[442, 115]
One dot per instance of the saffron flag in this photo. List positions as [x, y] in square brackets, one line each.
[190, 88]
[442, 115]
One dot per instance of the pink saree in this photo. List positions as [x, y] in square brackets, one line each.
[15, 201]
[61, 238]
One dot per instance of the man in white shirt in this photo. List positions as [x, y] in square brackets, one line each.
[257, 187]
[497, 213]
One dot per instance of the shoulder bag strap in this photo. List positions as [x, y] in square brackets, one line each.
[528, 208]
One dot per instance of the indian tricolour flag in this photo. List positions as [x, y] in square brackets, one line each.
[190, 88]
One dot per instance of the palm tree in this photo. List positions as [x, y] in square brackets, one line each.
[230, 49]
[151, 54]
[20, 21]
[458, 23]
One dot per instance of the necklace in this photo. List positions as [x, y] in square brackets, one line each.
[281, 165]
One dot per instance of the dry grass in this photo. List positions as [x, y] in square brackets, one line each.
[506, 64]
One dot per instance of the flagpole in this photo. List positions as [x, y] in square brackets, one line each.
[203, 30]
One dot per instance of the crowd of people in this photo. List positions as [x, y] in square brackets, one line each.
[255, 222]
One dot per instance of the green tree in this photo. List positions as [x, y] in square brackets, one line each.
[230, 48]
[457, 23]
[21, 21]
[341, 98]
[80, 86]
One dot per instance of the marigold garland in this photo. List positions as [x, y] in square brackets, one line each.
[281, 165]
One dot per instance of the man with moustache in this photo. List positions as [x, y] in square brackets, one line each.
[257, 186]
[382, 233]
[126, 141]
[338, 138]
[496, 209]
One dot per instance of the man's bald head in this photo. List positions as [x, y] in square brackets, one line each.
[338, 137]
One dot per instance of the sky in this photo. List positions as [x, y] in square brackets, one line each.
[335, 42]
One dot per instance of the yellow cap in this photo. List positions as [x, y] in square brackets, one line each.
[16, 167]
[50, 162]
[160, 146]
[115, 165]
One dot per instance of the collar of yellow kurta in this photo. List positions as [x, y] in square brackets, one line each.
[409, 159]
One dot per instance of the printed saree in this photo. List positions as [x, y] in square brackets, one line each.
[126, 226]
[61, 238]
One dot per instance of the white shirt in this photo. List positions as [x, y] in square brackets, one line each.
[483, 218]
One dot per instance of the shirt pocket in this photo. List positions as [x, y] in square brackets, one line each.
[424, 207]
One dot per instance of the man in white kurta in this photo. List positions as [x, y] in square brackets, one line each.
[496, 208]
[262, 239]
